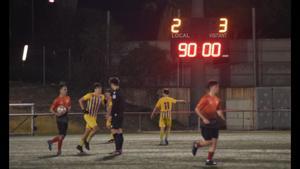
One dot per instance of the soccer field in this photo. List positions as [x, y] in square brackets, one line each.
[236, 150]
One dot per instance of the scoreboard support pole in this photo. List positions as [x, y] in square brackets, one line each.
[197, 67]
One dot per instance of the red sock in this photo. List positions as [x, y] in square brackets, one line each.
[55, 139]
[210, 155]
[59, 144]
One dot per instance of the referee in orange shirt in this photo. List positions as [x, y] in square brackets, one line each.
[208, 109]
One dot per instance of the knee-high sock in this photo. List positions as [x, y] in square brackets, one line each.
[167, 133]
[116, 140]
[161, 134]
[81, 142]
[112, 136]
[90, 136]
[210, 155]
[121, 141]
[59, 145]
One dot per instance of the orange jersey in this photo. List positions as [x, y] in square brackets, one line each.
[65, 101]
[208, 106]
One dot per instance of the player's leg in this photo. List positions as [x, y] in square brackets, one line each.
[118, 135]
[212, 148]
[108, 125]
[83, 138]
[90, 136]
[162, 127]
[205, 132]
[56, 138]
[62, 134]
[168, 130]
[93, 124]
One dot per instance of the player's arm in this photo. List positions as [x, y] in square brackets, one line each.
[81, 102]
[155, 109]
[205, 120]
[199, 111]
[69, 104]
[153, 112]
[108, 110]
[52, 107]
[220, 112]
[180, 101]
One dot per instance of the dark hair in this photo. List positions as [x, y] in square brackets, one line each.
[166, 91]
[212, 83]
[62, 84]
[114, 80]
[97, 85]
[107, 91]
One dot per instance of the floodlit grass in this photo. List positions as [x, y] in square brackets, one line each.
[236, 150]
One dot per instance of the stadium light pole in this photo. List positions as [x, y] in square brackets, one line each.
[44, 65]
[254, 63]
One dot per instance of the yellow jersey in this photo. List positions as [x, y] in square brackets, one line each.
[164, 104]
[93, 103]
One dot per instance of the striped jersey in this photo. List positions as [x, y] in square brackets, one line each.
[164, 104]
[93, 103]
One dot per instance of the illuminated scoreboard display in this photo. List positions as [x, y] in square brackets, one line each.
[200, 38]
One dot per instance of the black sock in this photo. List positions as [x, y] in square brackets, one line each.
[121, 141]
[116, 140]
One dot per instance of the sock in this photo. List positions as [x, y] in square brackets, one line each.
[121, 141]
[161, 134]
[116, 141]
[59, 144]
[166, 134]
[210, 155]
[55, 139]
[81, 142]
[89, 138]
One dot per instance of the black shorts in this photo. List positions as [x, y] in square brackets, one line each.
[209, 133]
[62, 126]
[116, 122]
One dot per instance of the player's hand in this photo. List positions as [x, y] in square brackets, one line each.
[151, 117]
[205, 121]
[85, 111]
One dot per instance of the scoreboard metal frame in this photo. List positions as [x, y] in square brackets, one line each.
[199, 38]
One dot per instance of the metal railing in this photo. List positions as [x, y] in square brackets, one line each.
[33, 115]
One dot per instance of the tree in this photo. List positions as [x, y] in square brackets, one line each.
[146, 62]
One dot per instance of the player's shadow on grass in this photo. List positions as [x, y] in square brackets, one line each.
[108, 157]
[47, 156]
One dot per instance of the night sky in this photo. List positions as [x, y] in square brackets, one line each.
[139, 24]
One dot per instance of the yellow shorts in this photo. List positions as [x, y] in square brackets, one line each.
[165, 122]
[91, 121]
[108, 123]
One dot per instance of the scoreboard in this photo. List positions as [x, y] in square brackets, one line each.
[200, 38]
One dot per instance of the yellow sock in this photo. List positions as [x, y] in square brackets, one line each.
[111, 136]
[167, 134]
[161, 135]
[88, 139]
[81, 142]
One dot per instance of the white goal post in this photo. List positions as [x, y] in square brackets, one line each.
[30, 114]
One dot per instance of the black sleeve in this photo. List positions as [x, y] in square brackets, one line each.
[118, 103]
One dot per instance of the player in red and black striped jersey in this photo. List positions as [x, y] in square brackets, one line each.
[208, 109]
[63, 102]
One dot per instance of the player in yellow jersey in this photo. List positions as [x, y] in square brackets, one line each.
[93, 100]
[108, 105]
[164, 104]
